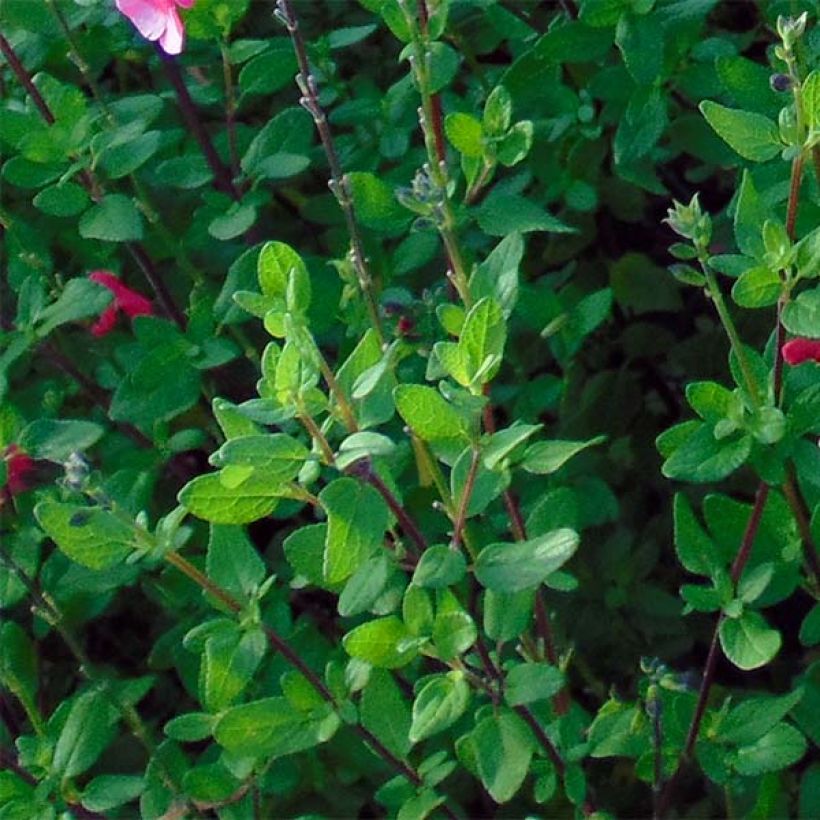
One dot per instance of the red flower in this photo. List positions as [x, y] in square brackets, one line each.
[157, 20]
[126, 300]
[19, 466]
[798, 351]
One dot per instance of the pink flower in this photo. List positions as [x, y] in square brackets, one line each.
[798, 351]
[19, 467]
[126, 300]
[157, 20]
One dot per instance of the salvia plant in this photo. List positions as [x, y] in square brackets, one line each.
[371, 443]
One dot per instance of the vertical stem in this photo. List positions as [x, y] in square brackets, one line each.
[335, 388]
[738, 565]
[222, 175]
[802, 515]
[338, 182]
[464, 501]
[318, 436]
[230, 108]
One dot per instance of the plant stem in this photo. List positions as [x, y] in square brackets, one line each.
[801, 513]
[338, 182]
[363, 469]
[738, 565]
[318, 436]
[222, 175]
[230, 108]
[464, 500]
[335, 388]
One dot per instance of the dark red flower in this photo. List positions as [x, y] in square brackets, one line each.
[126, 300]
[798, 351]
[19, 468]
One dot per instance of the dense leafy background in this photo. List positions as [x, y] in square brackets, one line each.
[569, 129]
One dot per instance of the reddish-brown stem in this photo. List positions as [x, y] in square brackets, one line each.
[24, 78]
[146, 265]
[223, 180]
[435, 100]
[338, 183]
[464, 501]
[738, 565]
[801, 513]
[363, 469]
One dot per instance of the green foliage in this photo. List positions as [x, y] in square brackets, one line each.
[356, 480]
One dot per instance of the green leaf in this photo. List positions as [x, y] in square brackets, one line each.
[91, 536]
[88, 729]
[191, 726]
[232, 562]
[80, 299]
[696, 551]
[465, 133]
[277, 263]
[18, 664]
[384, 711]
[64, 199]
[748, 641]
[454, 631]
[114, 219]
[754, 717]
[440, 567]
[751, 135]
[545, 457]
[504, 213]
[810, 96]
[701, 457]
[481, 343]
[507, 616]
[383, 642]
[438, 705]
[357, 519]
[497, 275]
[108, 791]
[210, 783]
[376, 204]
[810, 628]
[210, 498]
[750, 216]
[275, 457]
[515, 567]
[365, 586]
[503, 747]
[776, 750]
[497, 114]
[757, 287]
[56, 439]
[228, 665]
[641, 126]
[124, 157]
[234, 222]
[272, 728]
[501, 444]
[429, 415]
[640, 41]
[801, 316]
[530, 682]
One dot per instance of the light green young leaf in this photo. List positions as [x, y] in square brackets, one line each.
[545, 457]
[383, 642]
[751, 135]
[228, 665]
[748, 641]
[218, 499]
[776, 750]
[232, 562]
[439, 704]
[429, 415]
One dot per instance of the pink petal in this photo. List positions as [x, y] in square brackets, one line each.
[174, 34]
[105, 324]
[149, 16]
[133, 304]
[798, 351]
[186, 4]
